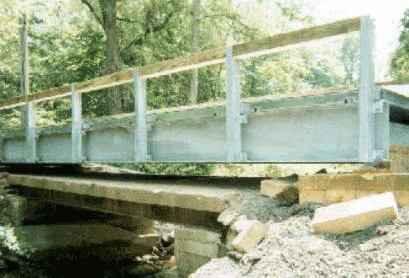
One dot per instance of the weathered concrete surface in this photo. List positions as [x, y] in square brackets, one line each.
[399, 156]
[137, 225]
[249, 236]
[195, 247]
[227, 217]
[335, 188]
[280, 189]
[202, 198]
[355, 215]
[186, 202]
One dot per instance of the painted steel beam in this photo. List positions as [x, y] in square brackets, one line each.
[367, 91]
[302, 129]
[76, 131]
[141, 131]
[31, 138]
[233, 117]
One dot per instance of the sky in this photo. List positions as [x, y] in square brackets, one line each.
[387, 15]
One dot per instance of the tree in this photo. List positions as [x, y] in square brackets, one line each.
[400, 58]
[195, 48]
[9, 50]
[106, 14]
[107, 18]
[350, 60]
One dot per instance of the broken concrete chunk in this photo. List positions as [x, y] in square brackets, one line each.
[227, 217]
[241, 223]
[282, 190]
[354, 215]
[250, 236]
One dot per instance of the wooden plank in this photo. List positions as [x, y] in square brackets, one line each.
[392, 83]
[50, 93]
[199, 59]
[40, 96]
[251, 49]
[106, 81]
[196, 60]
[266, 45]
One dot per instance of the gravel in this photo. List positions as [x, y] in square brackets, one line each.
[291, 249]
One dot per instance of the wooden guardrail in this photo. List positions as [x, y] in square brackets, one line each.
[196, 60]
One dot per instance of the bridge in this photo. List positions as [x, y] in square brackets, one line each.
[194, 201]
[336, 125]
[339, 125]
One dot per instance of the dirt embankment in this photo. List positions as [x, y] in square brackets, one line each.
[291, 249]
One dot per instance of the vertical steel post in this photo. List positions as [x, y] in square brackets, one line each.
[76, 128]
[381, 130]
[141, 128]
[31, 144]
[367, 91]
[233, 125]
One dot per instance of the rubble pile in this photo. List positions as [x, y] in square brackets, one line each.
[292, 248]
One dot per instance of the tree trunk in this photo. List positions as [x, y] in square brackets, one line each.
[195, 41]
[108, 10]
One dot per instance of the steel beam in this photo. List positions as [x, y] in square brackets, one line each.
[233, 116]
[30, 132]
[141, 131]
[76, 129]
[367, 91]
[381, 130]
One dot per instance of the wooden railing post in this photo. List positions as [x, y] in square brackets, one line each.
[367, 91]
[141, 127]
[76, 128]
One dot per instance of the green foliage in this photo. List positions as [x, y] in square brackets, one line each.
[233, 170]
[287, 72]
[350, 60]
[10, 120]
[9, 54]
[400, 59]
[180, 169]
[273, 171]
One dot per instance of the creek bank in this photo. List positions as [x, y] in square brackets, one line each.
[34, 251]
[292, 249]
[45, 240]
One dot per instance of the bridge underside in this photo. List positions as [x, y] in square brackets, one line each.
[188, 201]
[313, 128]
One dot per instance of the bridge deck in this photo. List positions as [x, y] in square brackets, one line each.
[191, 201]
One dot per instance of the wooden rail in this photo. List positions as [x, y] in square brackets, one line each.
[199, 59]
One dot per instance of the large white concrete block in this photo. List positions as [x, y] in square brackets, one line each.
[249, 236]
[354, 215]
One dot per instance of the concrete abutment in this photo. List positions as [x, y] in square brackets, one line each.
[195, 246]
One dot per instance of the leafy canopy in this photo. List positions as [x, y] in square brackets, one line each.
[400, 59]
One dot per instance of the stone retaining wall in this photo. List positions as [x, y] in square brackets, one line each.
[335, 188]
[195, 247]
[399, 156]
